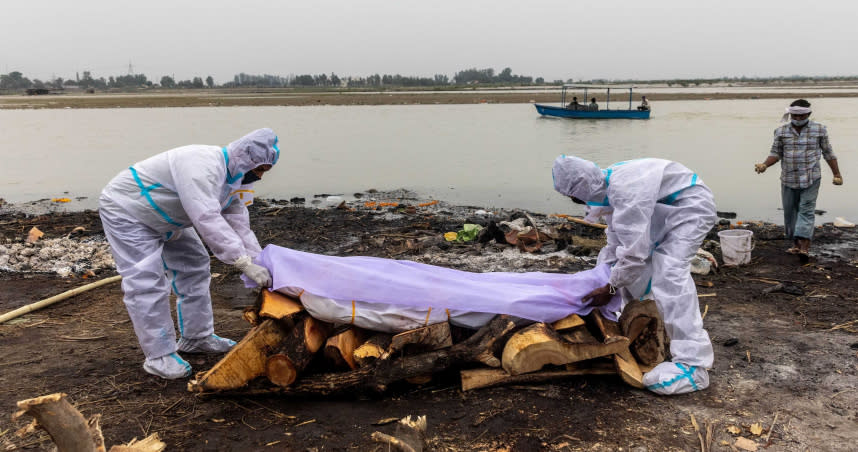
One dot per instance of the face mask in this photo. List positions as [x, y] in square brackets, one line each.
[799, 123]
[250, 178]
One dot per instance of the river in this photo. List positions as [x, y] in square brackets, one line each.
[488, 155]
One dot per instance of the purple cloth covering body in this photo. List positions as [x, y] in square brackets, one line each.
[542, 297]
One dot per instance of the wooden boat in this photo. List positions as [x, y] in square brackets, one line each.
[583, 111]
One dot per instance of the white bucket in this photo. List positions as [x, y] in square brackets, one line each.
[736, 246]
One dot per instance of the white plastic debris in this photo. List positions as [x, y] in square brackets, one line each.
[333, 201]
[842, 223]
[702, 262]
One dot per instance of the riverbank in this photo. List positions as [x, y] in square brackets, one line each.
[286, 97]
[785, 361]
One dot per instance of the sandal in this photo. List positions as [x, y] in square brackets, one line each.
[794, 250]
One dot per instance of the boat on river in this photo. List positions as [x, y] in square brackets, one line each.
[590, 111]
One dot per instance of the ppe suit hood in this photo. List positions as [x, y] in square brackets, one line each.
[248, 152]
[580, 178]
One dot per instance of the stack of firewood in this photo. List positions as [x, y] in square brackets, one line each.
[288, 347]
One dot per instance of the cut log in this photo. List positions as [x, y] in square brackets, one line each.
[71, 432]
[372, 349]
[484, 378]
[628, 369]
[428, 338]
[340, 349]
[643, 325]
[296, 351]
[609, 330]
[245, 361]
[385, 371]
[566, 323]
[537, 345]
[67, 427]
[275, 305]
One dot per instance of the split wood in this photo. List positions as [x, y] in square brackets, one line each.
[385, 371]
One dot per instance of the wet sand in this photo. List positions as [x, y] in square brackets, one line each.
[288, 97]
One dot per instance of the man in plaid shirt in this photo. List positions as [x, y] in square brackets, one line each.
[798, 145]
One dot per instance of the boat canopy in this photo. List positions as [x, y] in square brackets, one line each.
[596, 87]
[599, 87]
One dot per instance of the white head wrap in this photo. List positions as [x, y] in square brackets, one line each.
[794, 111]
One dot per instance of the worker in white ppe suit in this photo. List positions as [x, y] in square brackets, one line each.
[660, 213]
[154, 214]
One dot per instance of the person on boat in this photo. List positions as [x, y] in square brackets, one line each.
[799, 145]
[574, 104]
[154, 214]
[593, 105]
[644, 106]
[660, 213]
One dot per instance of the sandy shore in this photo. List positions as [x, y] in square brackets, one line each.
[286, 97]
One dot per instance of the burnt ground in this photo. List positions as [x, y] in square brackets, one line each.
[779, 356]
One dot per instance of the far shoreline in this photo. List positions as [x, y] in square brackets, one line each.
[298, 98]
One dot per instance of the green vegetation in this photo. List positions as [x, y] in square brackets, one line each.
[16, 81]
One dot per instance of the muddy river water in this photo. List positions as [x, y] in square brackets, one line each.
[491, 155]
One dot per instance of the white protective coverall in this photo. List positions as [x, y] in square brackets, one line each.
[661, 212]
[154, 214]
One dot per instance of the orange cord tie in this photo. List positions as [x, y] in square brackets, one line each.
[427, 316]
[352, 322]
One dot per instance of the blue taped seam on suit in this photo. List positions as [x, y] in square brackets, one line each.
[277, 154]
[230, 179]
[672, 197]
[180, 360]
[144, 190]
[218, 337]
[648, 289]
[605, 202]
[686, 373]
[180, 296]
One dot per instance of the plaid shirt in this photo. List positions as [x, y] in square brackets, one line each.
[799, 153]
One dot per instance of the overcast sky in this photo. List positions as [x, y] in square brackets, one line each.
[552, 39]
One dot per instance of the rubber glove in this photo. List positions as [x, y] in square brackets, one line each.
[760, 168]
[257, 273]
[838, 180]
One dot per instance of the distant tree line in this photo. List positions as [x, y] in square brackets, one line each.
[684, 82]
[16, 81]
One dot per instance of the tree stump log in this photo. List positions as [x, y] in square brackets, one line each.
[643, 325]
[296, 350]
[485, 378]
[377, 376]
[340, 349]
[537, 345]
[245, 361]
[71, 432]
[275, 305]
